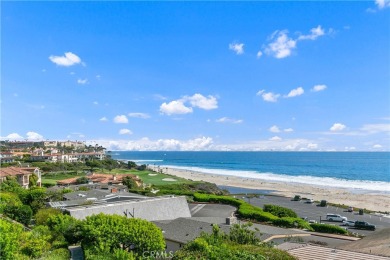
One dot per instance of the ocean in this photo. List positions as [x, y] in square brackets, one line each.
[366, 171]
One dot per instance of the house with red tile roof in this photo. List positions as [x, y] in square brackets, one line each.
[22, 175]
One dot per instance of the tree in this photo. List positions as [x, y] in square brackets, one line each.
[82, 180]
[131, 165]
[8, 199]
[36, 198]
[36, 242]
[241, 234]
[33, 180]
[21, 213]
[129, 182]
[9, 239]
[107, 233]
[141, 167]
[43, 215]
[241, 245]
[67, 226]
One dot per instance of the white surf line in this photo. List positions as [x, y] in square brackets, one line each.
[197, 208]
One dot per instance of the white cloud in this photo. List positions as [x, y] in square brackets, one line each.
[268, 96]
[145, 144]
[121, 119]
[159, 97]
[381, 4]
[238, 48]
[314, 34]
[259, 54]
[96, 103]
[14, 136]
[200, 101]
[375, 128]
[275, 138]
[125, 132]
[281, 45]
[295, 92]
[274, 129]
[377, 146]
[337, 127]
[33, 136]
[139, 115]
[318, 88]
[175, 107]
[229, 120]
[103, 119]
[98, 77]
[82, 81]
[67, 60]
[312, 146]
[288, 130]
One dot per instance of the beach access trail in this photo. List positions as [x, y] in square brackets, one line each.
[371, 201]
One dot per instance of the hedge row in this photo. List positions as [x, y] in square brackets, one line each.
[248, 211]
[255, 213]
[218, 199]
[289, 222]
[326, 228]
[280, 211]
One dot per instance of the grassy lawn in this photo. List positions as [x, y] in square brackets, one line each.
[149, 177]
[52, 178]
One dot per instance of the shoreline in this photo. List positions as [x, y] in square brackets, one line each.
[375, 201]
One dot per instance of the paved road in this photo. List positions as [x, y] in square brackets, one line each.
[313, 212]
[211, 210]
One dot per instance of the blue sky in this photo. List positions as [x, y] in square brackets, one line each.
[300, 76]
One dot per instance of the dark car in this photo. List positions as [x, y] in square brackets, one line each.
[323, 203]
[297, 198]
[364, 225]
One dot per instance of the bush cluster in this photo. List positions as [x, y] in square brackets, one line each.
[289, 222]
[255, 213]
[326, 228]
[280, 211]
[218, 199]
[278, 216]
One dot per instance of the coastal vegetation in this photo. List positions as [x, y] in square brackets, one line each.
[240, 244]
[247, 211]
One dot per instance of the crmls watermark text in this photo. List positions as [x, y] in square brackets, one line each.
[158, 254]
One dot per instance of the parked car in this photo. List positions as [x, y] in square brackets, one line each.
[297, 198]
[323, 203]
[364, 225]
[350, 209]
[349, 223]
[335, 217]
[310, 201]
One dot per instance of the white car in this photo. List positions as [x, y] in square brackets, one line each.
[349, 223]
[335, 217]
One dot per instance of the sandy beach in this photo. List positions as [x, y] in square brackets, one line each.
[371, 201]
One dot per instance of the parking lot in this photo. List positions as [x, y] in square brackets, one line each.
[314, 212]
[211, 210]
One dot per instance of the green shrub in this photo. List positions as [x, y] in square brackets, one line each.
[200, 197]
[326, 228]
[254, 213]
[291, 223]
[58, 254]
[279, 211]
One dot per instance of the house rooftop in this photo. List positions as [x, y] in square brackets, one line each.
[13, 171]
[183, 230]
